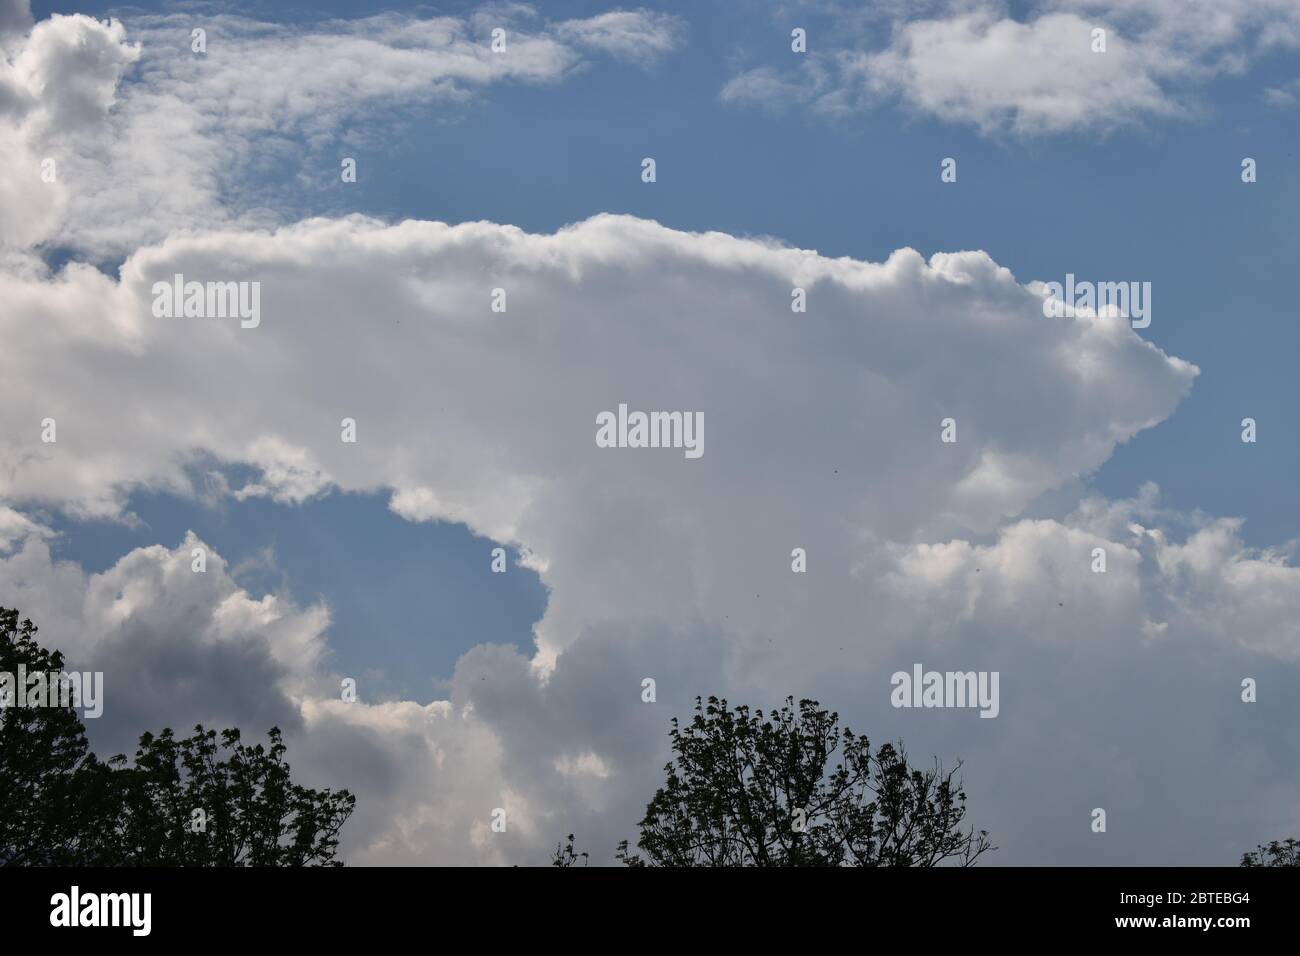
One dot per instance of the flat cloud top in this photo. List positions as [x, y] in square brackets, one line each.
[613, 309]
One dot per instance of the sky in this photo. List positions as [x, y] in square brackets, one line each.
[522, 170]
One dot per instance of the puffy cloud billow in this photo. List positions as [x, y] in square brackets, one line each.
[1042, 68]
[822, 432]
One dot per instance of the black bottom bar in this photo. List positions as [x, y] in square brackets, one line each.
[337, 905]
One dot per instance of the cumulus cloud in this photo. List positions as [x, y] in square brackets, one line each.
[15, 528]
[1087, 717]
[151, 137]
[56, 84]
[1035, 78]
[977, 64]
[826, 425]
[1133, 676]
[363, 320]
[176, 647]
[1205, 582]
[822, 433]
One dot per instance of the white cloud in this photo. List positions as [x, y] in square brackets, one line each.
[1118, 689]
[826, 424]
[1209, 586]
[1039, 77]
[58, 83]
[974, 63]
[1285, 96]
[177, 647]
[769, 88]
[182, 141]
[362, 320]
[639, 35]
[15, 528]
[823, 433]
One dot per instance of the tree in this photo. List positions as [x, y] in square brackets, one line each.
[745, 789]
[567, 856]
[1286, 853]
[61, 805]
[54, 792]
[181, 805]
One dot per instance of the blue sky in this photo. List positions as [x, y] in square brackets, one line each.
[647, 565]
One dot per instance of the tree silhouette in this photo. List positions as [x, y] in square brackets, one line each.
[745, 789]
[1285, 853]
[179, 803]
[54, 792]
[567, 856]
